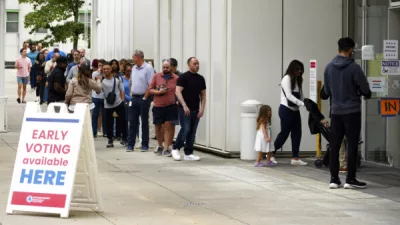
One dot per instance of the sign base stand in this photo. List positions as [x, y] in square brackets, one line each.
[60, 177]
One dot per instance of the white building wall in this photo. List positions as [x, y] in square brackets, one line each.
[244, 48]
[14, 41]
[125, 25]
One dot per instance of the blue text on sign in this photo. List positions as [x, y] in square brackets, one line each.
[390, 63]
[47, 177]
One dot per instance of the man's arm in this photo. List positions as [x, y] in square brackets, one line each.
[327, 89]
[30, 67]
[150, 75]
[121, 89]
[178, 94]
[362, 83]
[59, 84]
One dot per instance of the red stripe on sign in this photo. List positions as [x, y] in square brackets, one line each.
[313, 64]
[38, 199]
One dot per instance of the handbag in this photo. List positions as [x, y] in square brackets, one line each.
[296, 95]
[110, 99]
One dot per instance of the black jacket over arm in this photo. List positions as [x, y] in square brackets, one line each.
[314, 117]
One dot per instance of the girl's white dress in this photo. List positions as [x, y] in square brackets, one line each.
[261, 144]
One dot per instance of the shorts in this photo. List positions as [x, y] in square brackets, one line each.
[165, 114]
[22, 80]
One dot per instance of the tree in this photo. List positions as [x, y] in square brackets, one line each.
[60, 17]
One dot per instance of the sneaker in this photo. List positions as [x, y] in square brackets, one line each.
[110, 144]
[99, 133]
[129, 148]
[176, 155]
[18, 100]
[352, 184]
[298, 162]
[335, 183]
[138, 146]
[192, 158]
[145, 149]
[269, 164]
[273, 160]
[167, 153]
[259, 164]
[159, 151]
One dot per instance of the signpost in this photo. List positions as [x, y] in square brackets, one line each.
[54, 151]
[313, 80]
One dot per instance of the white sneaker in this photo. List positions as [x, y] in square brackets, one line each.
[273, 160]
[176, 155]
[298, 162]
[192, 157]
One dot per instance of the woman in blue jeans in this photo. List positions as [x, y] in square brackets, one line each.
[98, 101]
[289, 114]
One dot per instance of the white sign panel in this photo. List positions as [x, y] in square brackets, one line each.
[377, 84]
[368, 52]
[313, 80]
[47, 160]
[390, 49]
[390, 67]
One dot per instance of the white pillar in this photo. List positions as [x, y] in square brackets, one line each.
[93, 35]
[3, 98]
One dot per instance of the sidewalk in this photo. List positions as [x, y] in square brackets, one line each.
[141, 188]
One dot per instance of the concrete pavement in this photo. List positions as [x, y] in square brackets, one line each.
[141, 188]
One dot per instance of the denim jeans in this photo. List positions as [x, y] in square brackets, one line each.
[140, 108]
[188, 130]
[99, 105]
[290, 124]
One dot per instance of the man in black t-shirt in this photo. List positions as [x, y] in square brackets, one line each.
[190, 90]
[56, 82]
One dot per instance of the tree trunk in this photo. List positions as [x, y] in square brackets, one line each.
[76, 36]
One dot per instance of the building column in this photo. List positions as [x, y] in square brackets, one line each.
[3, 98]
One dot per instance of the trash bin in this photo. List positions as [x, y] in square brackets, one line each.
[248, 129]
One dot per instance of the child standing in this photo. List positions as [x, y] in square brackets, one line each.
[263, 142]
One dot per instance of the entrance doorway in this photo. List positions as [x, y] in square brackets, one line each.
[370, 22]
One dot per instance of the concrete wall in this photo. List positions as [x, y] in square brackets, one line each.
[125, 25]
[243, 51]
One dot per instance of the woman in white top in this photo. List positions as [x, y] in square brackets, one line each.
[289, 114]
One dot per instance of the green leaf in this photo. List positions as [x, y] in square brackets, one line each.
[58, 16]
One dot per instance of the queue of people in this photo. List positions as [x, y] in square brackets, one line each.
[121, 95]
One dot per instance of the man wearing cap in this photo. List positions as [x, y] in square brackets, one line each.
[56, 49]
[56, 82]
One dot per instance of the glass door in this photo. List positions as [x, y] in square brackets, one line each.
[368, 25]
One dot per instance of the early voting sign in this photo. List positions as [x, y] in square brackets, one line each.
[53, 149]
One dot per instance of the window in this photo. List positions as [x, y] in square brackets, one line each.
[12, 21]
[85, 18]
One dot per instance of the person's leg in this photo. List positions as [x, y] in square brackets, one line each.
[41, 91]
[191, 137]
[343, 156]
[134, 113]
[95, 115]
[144, 115]
[184, 122]
[109, 124]
[103, 121]
[23, 93]
[46, 92]
[337, 134]
[295, 136]
[32, 78]
[168, 136]
[258, 160]
[121, 122]
[352, 123]
[38, 86]
[19, 89]
[286, 127]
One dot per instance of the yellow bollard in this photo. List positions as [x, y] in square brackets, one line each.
[318, 144]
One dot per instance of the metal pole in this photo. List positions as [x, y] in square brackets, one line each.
[3, 98]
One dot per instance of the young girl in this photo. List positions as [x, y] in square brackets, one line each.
[263, 138]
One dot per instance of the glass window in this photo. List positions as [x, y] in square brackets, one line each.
[85, 18]
[12, 22]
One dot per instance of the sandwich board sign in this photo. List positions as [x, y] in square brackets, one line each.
[55, 167]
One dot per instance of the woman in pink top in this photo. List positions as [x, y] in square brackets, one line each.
[23, 66]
